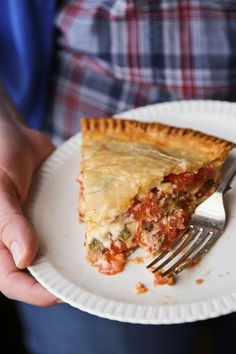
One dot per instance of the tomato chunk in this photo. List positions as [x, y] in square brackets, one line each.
[112, 264]
[188, 180]
[182, 181]
[159, 280]
[147, 206]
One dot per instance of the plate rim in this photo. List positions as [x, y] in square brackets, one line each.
[107, 308]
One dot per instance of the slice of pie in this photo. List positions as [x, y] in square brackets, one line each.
[139, 184]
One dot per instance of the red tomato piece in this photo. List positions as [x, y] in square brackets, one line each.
[159, 280]
[182, 181]
[118, 246]
[147, 206]
[112, 264]
[204, 174]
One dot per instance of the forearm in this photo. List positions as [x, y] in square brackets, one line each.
[8, 112]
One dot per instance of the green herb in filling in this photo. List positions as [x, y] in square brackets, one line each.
[160, 242]
[125, 233]
[96, 246]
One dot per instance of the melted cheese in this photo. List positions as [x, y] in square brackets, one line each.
[101, 232]
[106, 233]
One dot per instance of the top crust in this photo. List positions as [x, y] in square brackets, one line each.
[166, 137]
[123, 158]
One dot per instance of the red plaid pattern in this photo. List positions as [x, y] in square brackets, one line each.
[114, 55]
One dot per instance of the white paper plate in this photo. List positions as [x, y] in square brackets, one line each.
[63, 270]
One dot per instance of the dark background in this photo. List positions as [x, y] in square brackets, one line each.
[10, 331]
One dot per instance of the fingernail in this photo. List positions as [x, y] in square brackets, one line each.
[16, 251]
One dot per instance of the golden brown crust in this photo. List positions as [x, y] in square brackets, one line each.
[156, 134]
[122, 158]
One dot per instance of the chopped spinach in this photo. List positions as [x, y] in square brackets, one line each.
[125, 233]
[159, 243]
[96, 246]
[161, 239]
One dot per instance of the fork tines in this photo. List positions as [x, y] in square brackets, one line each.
[184, 251]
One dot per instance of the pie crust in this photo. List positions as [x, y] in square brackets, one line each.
[125, 159]
[211, 148]
[153, 149]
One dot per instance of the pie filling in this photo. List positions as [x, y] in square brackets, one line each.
[152, 221]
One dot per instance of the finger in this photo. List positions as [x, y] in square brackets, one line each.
[16, 232]
[18, 285]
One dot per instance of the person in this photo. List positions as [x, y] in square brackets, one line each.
[63, 60]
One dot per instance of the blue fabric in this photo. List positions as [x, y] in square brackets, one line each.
[26, 37]
[65, 330]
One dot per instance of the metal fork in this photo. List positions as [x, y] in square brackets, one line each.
[207, 224]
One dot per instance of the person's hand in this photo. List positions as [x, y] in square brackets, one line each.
[22, 150]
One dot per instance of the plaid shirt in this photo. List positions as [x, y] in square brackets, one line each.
[114, 55]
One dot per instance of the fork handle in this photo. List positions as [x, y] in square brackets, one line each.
[228, 178]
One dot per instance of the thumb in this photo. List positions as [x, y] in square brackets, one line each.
[16, 232]
[40, 143]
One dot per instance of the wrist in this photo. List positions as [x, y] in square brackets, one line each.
[8, 111]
